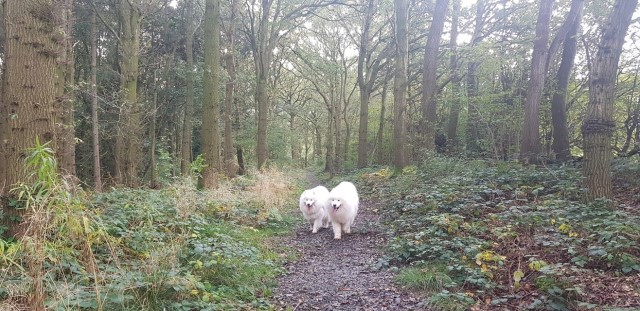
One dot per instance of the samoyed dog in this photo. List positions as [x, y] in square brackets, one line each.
[313, 205]
[343, 208]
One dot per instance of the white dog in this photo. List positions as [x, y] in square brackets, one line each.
[343, 208]
[313, 205]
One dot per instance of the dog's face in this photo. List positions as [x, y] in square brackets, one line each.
[309, 202]
[336, 203]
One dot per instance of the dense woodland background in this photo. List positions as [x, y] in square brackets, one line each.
[131, 92]
[492, 128]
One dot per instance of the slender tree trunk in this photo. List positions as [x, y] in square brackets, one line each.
[152, 133]
[380, 154]
[129, 156]
[560, 143]
[240, 156]
[66, 153]
[187, 128]
[363, 86]
[211, 113]
[95, 130]
[454, 115]
[531, 130]
[229, 163]
[473, 113]
[430, 74]
[599, 122]
[30, 84]
[400, 82]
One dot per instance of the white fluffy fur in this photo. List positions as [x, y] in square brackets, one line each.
[313, 205]
[343, 207]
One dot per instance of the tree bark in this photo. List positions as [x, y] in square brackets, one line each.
[560, 145]
[211, 84]
[95, 129]
[430, 75]
[363, 85]
[66, 153]
[30, 84]
[152, 133]
[599, 122]
[129, 151]
[531, 130]
[380, 154]
[229, 163]
[187, 128]
[454, 114]
[473, 119]
[401, 8]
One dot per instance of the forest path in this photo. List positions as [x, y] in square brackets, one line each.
[340, 274]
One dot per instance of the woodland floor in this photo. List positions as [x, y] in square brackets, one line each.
[333, 274]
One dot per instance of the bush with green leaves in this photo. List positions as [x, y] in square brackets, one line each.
[497, 228]
[176, 248]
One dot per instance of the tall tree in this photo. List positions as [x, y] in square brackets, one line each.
[454, 113]
[401, 8]
[95, 126]
[531, 130]
[430, 74]
[473, 118]
[187, 127]
[560, 131]
[211, 85]
[369, 65]
[269, 21]
[230, 65]
[599, 122]
[66, 153]
[30, 83]
[128, 143]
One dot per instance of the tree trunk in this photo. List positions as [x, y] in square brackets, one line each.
[560, 145]
[473, 119]
[152, 133]
[211, 111]
[239, 154]
[380, 154]
[66, 153]
[531, 130]
[129, 156]
[454, 115]
[599, 122]
[430, 75]
[400, 82]
[31, 64]
[363, 86]
[95, 129]
[187, 128]
[229, 163]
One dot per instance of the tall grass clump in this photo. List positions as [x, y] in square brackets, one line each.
[177, 248]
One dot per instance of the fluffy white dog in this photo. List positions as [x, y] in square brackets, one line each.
[343, 208]
[313, 205]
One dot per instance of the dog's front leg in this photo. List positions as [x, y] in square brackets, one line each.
[337, 230]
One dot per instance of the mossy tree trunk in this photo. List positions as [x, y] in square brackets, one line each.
[599, 122]
[430, 75]
[211, 105]
[129, 142]
[531, 129]
[401, 8]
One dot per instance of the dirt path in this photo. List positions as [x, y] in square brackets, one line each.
[341, 275]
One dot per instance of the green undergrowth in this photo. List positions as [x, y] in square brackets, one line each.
[500, 236]
[173, 249]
